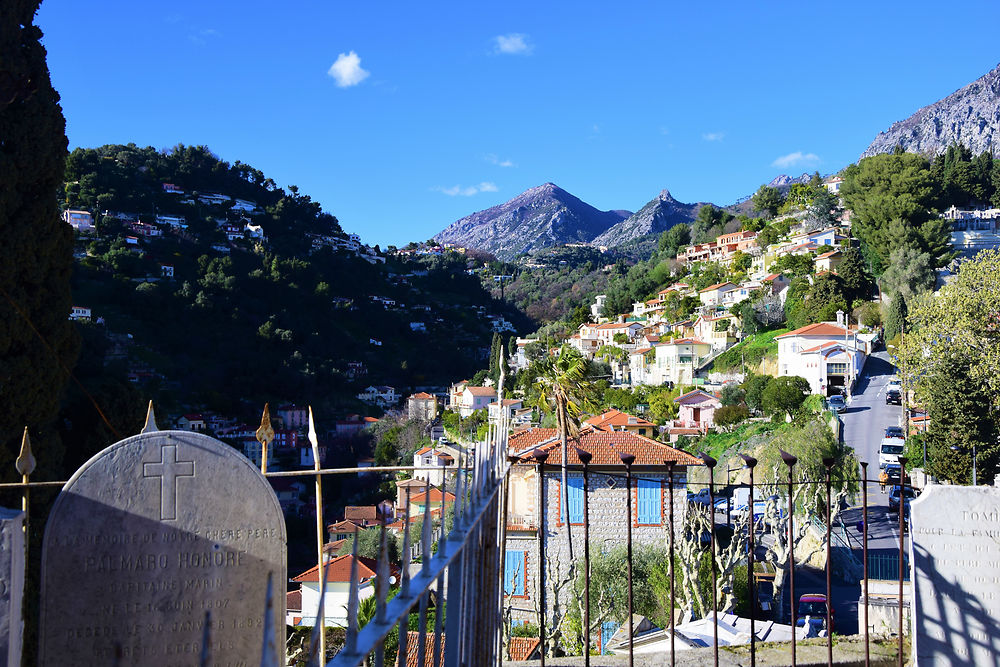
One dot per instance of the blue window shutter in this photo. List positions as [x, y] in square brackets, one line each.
[575, 485]
[649, 501]
[521, 574]
[608, 630]
[512, 565]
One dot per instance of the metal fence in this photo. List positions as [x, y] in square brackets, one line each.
[461, 568]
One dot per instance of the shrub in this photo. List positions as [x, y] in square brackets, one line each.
[729, 415]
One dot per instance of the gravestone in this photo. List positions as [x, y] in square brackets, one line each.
[955, 563]
[11, 584]
[147, 537]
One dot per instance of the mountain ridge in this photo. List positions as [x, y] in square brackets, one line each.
[656, 216]
[970, 116]
[543, 216]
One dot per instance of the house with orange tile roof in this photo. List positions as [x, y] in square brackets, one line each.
[432, 496]
[422, 406]
[695, 409]
[828, 261]
[608, 501]
[616, 420]
[435, 464]
[829, 355]
[475, 398]
[338, 579]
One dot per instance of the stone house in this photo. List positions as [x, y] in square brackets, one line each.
[607, 498]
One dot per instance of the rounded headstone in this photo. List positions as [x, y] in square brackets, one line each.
[145, 539]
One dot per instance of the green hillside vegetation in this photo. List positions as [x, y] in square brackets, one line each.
[749, 352]
[263, 321]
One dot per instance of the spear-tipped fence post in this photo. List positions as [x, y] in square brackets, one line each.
[25, 464]
[864, 552]
[751, 463]
[670, 486]
[828, 465]
[710, 463]
[150, 425]
[790, 461]
[265, 434]
[585, 458]
[901, 508]
[540, 456]
[320, 528]
[628, 460]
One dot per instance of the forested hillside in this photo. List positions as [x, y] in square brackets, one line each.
[236, 321]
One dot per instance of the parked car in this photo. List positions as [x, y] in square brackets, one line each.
[890, 450]
[894, 432]
[893, 397]
[894, 498]
[814, 606]
[836, 403]
[892, 473]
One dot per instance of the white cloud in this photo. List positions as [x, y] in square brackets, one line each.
[796, 159]
[468, 190]
[493, 159]
[347, 70]
[515, 43]
[713, 136]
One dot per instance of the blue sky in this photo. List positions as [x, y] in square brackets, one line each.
[401, 117]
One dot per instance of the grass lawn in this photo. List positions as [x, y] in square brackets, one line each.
[751, 350]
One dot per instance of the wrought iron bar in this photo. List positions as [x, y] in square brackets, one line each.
[585, 458]
[628, 460]
[901, 508]
[540, 456]
[673, 613]
[828, 465]
[864, 549]
[750, 463]
[790, 461]
[25, 464]
[710, 463]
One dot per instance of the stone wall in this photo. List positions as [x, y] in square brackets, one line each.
[608, 528]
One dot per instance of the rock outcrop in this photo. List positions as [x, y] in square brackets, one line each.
[657, 216]
[970, 116]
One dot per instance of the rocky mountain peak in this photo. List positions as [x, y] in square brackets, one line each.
[970, 116]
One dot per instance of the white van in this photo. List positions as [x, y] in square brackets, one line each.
[890, 451]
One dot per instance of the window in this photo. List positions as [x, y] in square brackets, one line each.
[575, 488]
[648, 501]
[836, 369]
[514, 572]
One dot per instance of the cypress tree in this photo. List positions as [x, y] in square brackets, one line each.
[895, 317]
[36, 338]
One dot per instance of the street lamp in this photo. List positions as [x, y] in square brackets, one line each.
[955, 449]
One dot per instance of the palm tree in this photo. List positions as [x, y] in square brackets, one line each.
[563, 386]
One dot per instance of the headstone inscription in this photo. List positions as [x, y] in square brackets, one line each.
[955, 563]
[11, 584]
[147, 537]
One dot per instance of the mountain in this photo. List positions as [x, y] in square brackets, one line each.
[541, 217]
[970, 115]
[658, 215]
[783, 179]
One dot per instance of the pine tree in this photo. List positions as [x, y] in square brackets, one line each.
[36, 338]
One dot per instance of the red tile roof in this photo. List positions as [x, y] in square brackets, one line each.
[423, 395]
[482, 391]
[293, 600]
[612, 418]
[828, 254]
[339, 569]
[692, 393]
[605, 446]
[686, 341]
[523, 648]
[818, 329]
[342, 527]
[413, 650]
[435, 495]
[530, 438]
[716, 286]
[366, 512]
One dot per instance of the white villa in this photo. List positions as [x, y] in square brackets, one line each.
[828, 355]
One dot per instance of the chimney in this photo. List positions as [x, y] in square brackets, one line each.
[840, 318]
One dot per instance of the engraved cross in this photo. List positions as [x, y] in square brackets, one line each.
[168, 470]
